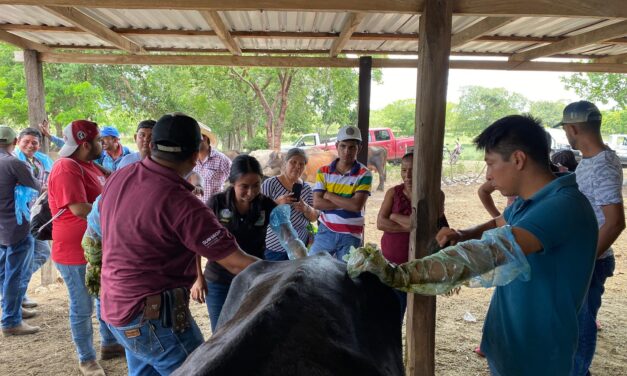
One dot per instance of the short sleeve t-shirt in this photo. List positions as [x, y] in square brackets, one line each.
[531, 326]
[152, 229]
[249, 230]
[600, 179]
[71, 181]
[274, 189]
[358, 179]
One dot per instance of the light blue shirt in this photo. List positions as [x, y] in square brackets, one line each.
[531, 327]
[129, 159]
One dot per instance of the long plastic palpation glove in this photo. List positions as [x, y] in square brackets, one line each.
[282, 228]
[495, 260]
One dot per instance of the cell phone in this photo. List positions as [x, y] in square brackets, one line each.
[297, 188]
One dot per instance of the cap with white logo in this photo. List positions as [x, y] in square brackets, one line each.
[349, 132]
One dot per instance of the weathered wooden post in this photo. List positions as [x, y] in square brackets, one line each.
[363, 117]
[36, 114]
[433, 62]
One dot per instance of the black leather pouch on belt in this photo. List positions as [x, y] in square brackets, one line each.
[175, 309]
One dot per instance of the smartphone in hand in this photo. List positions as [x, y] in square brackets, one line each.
[297, 188]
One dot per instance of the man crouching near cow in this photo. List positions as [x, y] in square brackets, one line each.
[340, 193]
[153, 227]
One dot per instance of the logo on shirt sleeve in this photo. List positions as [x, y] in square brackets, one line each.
[212, 239]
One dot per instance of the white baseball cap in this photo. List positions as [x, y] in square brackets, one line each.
[349, 132]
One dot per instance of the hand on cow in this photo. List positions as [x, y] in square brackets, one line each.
[448, 236]
[199, 290]
[285, 199]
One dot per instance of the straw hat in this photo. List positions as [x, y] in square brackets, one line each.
[205, 130]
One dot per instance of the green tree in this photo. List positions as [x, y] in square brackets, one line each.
[480, 106]
[549, 112]
[599, 87]
[399, 115]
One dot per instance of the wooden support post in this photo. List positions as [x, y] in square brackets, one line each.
[36, 114]
[434, 49]
[35, 92]
[363, 117]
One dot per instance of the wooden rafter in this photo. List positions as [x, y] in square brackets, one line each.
[292, 61]
[617, 59]
[485, 26]
[512, 8]
[290, 34]
[350, 25]
[577, 41]
[22, 42]
[216, 23]
[94, 27]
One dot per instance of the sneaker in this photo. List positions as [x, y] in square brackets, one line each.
[20, 330]
[112, 351]
[28, 313]
[28, 303]
[478, 351]
[91, 368]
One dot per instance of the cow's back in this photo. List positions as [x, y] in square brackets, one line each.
[303, 317]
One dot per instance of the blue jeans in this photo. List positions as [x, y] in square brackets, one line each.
[152, 349]
[15, 261]
[335, 243]
[274, 256]
[216, 296]
[81, 308]
[40, 256]
[603, 268]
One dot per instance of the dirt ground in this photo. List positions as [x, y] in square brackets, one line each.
[52, 353]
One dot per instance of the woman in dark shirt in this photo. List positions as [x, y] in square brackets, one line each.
[245, 212]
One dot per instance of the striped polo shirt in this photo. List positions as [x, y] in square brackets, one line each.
[358, 179]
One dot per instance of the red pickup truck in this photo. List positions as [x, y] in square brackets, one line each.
[382, 137]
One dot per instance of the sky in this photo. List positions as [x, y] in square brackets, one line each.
[400, 83]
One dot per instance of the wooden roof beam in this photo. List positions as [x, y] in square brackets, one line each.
[485, 26]
[577, 41]
[216, 23]
[617, 59]
[22, 43]
[94, 27]
[512, 8]
[291, 61]
[352, 23]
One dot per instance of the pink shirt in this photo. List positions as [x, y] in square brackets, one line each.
[214, 170]
[153, 227]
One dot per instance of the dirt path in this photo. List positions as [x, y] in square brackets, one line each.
[52, 351]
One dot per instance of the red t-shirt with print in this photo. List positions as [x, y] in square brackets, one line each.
[71, 181]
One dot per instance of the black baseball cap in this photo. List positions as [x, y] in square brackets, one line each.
[579, 112]
[176, 133]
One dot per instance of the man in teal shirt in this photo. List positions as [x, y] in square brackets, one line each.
[540, 255]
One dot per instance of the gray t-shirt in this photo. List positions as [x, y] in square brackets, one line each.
[13, 172]
[600, 179]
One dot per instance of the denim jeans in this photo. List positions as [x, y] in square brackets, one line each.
[335, 243]
[603, 268]
[81, 308]
[216, 296]
[275, 256]
[15, 260]
[40, 256]
[152, 349]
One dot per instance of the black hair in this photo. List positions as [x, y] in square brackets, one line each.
[242, 165]
[565, 158]
[516, 132]
[30, 132]
[146, 124]
[591, 126]
[294, 152]
[171, 157]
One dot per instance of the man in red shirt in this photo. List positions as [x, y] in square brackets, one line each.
[152, 229]
[74, 183]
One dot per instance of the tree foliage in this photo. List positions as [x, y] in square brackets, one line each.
[606, 88]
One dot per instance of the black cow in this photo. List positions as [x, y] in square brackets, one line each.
[303, 317]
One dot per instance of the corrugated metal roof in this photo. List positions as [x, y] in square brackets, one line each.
[405, 25]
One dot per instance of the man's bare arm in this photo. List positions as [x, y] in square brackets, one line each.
[613, 226]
